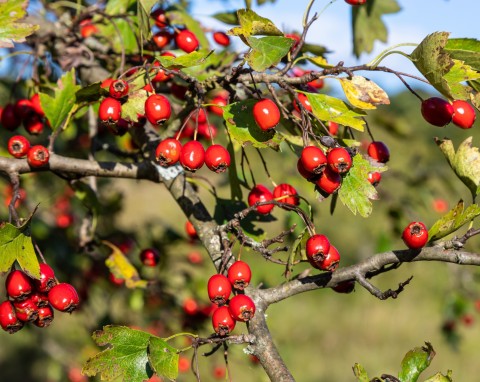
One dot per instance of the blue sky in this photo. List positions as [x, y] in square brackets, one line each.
[416, 20]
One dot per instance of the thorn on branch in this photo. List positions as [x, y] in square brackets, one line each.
[377, 292]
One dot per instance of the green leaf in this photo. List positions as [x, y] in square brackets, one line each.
[415, 362]
[329, 108]
[242, 127]
[368, 26]
[144, 8]
[439, 377]
[356, 191]
[90, 93]
[235, 189]
[180, 16]
[230, 18]
[363, 93]
[10, 30]
[267, 51]
[123, 38]
[252, 24]
[320, 61]
[126, 356]
[452, 81]
[453, 220]
[135, 105]
[360, 373]
[62, 104]
[318, 50]
[298, 250]
[163, 358]
[209, 67]
[184, 61]
[116, 7]
[466, 50]
[16, 244]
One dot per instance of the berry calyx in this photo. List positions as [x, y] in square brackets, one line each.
[18, 285]
[38, 156]
[286, 193]
[329, 182]
[221, 38]
[437, 111]
[463, 114]
[187, 41]
[379, 151]
[260, 193]
[157, 109]
[222, 321]
[313, 159]
[8, 319]
[18, 146]
[168, 152]
[149, 257]
[317, 248]
[192, 156]
[242, 308]
[217, 158]
[339, 160]
[266, 114]
[239, 275]
[330, 261]
[47, 279]
[44, 316]
[219, 289]
[109, 111]
[64, 297]
[415, 235]
[374, 178]
[118, 89]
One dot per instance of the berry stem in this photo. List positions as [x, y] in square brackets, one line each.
[376, 61]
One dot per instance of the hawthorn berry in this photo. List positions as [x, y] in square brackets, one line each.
[44, 316]
[304, 101]
[463, 114]
[157, 109]
[221, 38]
[266, 114]
[310, 176]
[329, 182]
[339, 160]
[374, 178]
[87, 28]
[38, 156]
[26, 310]
[187, 41]
[379, 151]
[260, 193]
[190, 230]
[190, 306]
[9, 118]
[296, 40]
[47, 279]
[36, 105]
[149, 257]
[40, 299]
[192, 156]
[345, 287]
[332, 128]
[162, 38]
[239, 274]
[219, 289]
[217, 158]
[242, 308]
[286, 193]
[437, 111]
[64, 297]
[109, 111]
[8, 319]
[415, 235]
[217, 105]
[23, 108]
[118, 89]
[330, 261]
[207, 131]
[160, 18]
[18, 285]
[106, 83]
[356, 2]
[317, 248]
[313, 159]
[168, 152]
[18, 146]
[222, 321]
[33, 124]
[161, 75]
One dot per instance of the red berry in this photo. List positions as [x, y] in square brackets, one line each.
[207, 131]
[330, 261]
[332, 128]
[8, 319]
[379, 151]
[118, 89]
[415, 235]
[295, 37]
[157, 109]
[374, 178]
[313, 159]
[219, 372]
[463, 114]
[150, 257]
[217, 158]
[23, 108]
[329, 182]
[222, 321]
[266, 114]
[219, 289]
[286, 193]
[45, 316]
[162, 38]
[168, 152]
[109, 111]
[221, 38]
[18, 146]
[190, 306]
[192, 156]
[187, 41]
[161, 75]
[87, 28]
[437, 111]
[106, 83]
[38, 156]
[39, 299]
[190, 230]
[37, 106]
[64, 297]
[64, 220]
[18, 285]
[356, 2]
[260, 193]
[345, 287]
[242, 308]
[239, 275]
[317, 248]
[9, 119]
[219, 101]
[304, 101]
[47, 278]
[26, 310]
[33, 124]
[310, 176]
[339, 160]
[160, 18]
[195, 257]
[316, 83]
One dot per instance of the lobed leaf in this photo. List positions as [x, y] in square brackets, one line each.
[252, 24]
[163, 358]
[135, 105]
[466, 50]
[11, 31]
[267, 51]
[363, 93]
[415, 362]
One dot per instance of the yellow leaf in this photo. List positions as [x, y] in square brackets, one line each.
[320, 61]
[363, 93]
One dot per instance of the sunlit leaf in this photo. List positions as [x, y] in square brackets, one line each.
[252, 24]
[11, 31]
[360, 373]
[185, 60]
[267, 51]
[120, 35]
[415, 362]
[439, 377]
[230, 18]
[135, 105]
[466, 50]
[363, 93]
[163, 358]
[453, 84]
[320, 61]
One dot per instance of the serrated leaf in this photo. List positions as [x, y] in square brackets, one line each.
[209, 67]
[320, 61]
[327, 108]
[58, 107]
[90, 93]
[453, 220]
[368, 26]
[356, 191]
[415, 362]
[163, 358]
[230, 18]
[16, 244]
[121, 267]
[242, 127]
[452, 83]
[267, 51]
[126, 356]
[439, 377]
[466, 50]
[11, 31]
[135, 105]
[252, 24]
[363, 93]
[180, 16]
[360, 373]
[184, 61]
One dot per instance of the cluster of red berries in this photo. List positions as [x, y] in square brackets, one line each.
[440, 112]
[25, 111]
[283, 192]
[19, 147]
[230, 310]
[32, 300]
[321, 254]
[415, 235]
